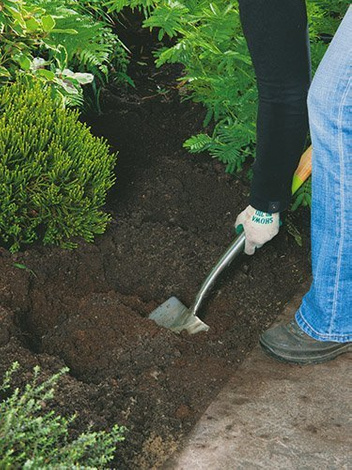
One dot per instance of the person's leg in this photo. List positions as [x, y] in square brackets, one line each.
[322, 328]
[326, 311]
[277, 38]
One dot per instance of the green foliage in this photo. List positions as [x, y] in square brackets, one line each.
[49, 38]
[324, 17]
[32, 438]
[169, 20]
[117, 5]
[54, 175]
[91, 43]
[218, 73]
[303, 196]
[293, 230]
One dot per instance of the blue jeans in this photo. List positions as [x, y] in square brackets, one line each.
[326, 310]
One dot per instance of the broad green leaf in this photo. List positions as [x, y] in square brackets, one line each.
[61, 57]
[24, 61]
[20, 266]
[17, 16]
[68, 86]
[83, 78]
[48, 74]
[65, 31]
[32, 24]
[48, 23]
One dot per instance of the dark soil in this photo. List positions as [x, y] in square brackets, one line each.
[173, 215]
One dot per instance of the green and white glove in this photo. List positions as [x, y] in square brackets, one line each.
[259, 227]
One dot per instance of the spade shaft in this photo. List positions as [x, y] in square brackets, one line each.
[230, 254]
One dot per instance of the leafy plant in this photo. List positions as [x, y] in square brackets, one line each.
[292, 229]
[59, 36]
[25, 268]
[218, 73]
[303, 196]
[32, 438]
[54, 174]
[117, 5]
[217, 66]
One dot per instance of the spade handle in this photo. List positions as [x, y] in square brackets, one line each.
[236, 248]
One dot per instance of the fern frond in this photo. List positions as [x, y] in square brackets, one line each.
[198, 143]
[169, 18]
[117, 5]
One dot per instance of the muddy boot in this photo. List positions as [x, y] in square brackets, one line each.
[288, 343]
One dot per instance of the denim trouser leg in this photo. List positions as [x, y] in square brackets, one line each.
[326, 310]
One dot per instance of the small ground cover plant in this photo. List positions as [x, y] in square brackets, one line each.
[33, 438]
[54, 174]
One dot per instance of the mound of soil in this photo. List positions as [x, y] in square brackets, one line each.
[172, 218]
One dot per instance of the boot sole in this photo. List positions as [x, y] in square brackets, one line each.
[329, 356]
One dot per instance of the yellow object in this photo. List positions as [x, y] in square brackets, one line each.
[303, 171]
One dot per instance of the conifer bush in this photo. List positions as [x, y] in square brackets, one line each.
[54, 174]
[33, 438]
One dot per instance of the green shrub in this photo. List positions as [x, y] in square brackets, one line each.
[32, 438]
[54, 174]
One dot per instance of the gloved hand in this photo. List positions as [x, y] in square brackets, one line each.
[259, 227]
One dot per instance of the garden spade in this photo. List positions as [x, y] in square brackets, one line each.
[174, 315]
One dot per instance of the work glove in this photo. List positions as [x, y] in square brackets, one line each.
[259, 227]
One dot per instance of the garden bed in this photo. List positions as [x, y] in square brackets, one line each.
[173, 215]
